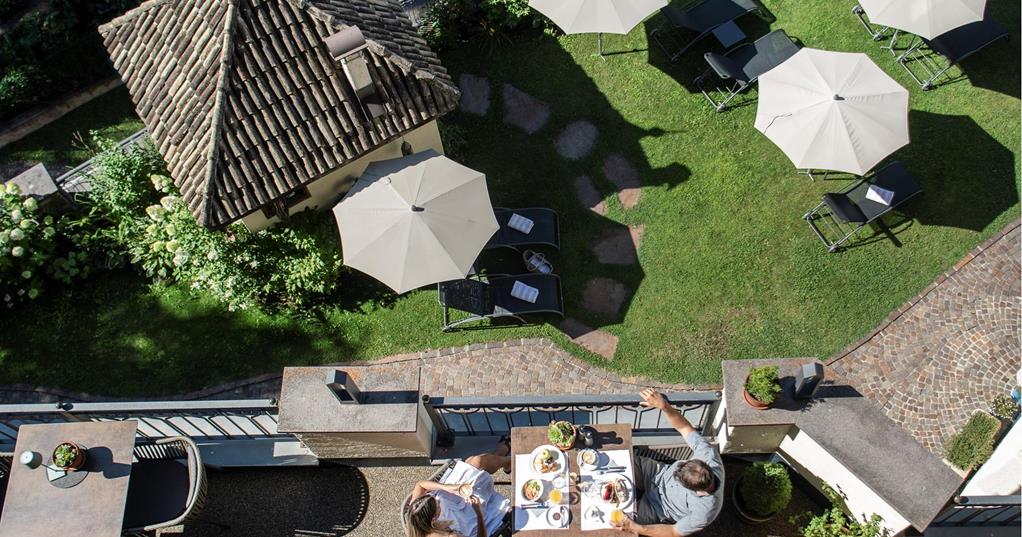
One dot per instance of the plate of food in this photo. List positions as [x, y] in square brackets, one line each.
[548, 460]
[558, 516]
[562, 434]
[588, 459]
[618, 492]
[532, 490]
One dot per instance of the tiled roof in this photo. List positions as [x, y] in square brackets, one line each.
[245, 102]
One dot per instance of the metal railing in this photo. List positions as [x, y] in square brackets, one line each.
[981, 511]
[76, 180]
[199, 420]
[474, 416]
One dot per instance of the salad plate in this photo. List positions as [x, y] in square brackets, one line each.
[547, 460]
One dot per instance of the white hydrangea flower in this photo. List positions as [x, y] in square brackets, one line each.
[32, 293]
[172, 246]
[17, 251]
[168, 202]
[27, 224]
[30, 204]
[17, 234]
[155, 212]
[16, 216]
[27, 274]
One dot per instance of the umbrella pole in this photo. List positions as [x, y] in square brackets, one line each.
[599, 44]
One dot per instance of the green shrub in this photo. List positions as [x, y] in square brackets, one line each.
[449, 23]
[973, 445]
[64, 455]
[763, 384]
[835, 523]
[1004, 407]
[14, 87]
[453, 137]
[765, 488]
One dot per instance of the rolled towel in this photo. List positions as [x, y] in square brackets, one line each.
[524, 292]
[520, 223]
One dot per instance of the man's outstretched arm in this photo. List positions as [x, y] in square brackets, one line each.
[648, 530]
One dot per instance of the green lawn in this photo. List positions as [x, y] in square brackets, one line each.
[63, 142]
[728, 270]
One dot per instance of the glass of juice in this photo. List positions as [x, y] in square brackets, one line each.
[556, 496]
[617, 516]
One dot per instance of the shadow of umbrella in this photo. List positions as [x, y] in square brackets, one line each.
[966, 185]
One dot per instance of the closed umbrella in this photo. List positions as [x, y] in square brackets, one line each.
[832, 111]
[415, 220]
[925, 18]
[597, 16]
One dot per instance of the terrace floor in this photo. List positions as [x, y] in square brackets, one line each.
[950, 350]
[366, 502]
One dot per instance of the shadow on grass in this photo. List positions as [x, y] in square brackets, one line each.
[968, 177]
[996, 68]
[524, 170]
[114, 335]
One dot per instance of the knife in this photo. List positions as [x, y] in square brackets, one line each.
[610, 470]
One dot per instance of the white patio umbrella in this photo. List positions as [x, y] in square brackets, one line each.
[597, 16]
[925, 18]
[832, 111]
[415, 220]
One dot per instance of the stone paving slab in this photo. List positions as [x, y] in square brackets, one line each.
[619, 246]
[475, 94]
[595, 341]
[950, 350]
[588, 196]
[576, 141]
[604, 296]
[625, 177]
[524, 110]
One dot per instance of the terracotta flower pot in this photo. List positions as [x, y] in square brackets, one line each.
[752, 401]
[78, 461]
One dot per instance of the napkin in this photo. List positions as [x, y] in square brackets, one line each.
[879, 195]
[524, 292]
[520, 223]
[54, 474]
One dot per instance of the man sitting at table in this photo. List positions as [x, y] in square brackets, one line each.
[683, 498]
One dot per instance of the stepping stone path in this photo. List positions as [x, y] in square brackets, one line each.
[604, 296]
[589, 196]
[619, 246]
[619, 171]
[475, 94]
[524, 110]
[576, 141]
[595, 341]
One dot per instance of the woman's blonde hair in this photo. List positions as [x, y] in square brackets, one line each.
[422, 517]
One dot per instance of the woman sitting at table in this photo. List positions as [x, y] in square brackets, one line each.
[439, 509]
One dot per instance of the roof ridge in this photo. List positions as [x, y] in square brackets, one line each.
[132, 14]
[213, 158]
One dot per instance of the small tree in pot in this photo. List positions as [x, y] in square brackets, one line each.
[762, 491]
[68, 456]
[762, 386]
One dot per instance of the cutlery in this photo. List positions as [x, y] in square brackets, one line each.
[611, 470]
[532, 506]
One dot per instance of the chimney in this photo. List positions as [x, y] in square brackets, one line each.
[346, 48]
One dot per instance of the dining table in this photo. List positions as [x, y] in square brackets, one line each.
[614, 440]
[43, 502]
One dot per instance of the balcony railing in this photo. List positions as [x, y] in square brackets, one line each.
[474, 416]
[981, 511]
[200, 420]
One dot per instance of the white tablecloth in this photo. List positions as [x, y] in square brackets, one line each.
[612, 458]
[533, 519]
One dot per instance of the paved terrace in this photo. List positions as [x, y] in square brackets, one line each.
[948, 351]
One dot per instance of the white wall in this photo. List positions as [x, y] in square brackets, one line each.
[327, 191]
[814, 461]
[1001, 475]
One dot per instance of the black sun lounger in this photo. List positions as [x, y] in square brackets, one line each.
[849, 211]
[741, 66]
[492, 298]
[953, 46]
[701, 19]
[545, 230]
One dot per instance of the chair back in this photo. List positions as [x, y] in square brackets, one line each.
[182, 449]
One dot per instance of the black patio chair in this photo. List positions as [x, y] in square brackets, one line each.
[6, 459]
[741, 66]
[438, 477]
[701, 18]
[492, 298]
[545, 230]
[167, 487]
[953, 46]
[849, 211]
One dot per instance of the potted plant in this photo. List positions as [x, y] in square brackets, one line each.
[1004, 407]
[562, 434]
[835, 523]
[68, 456]
[762, 387]
[762, 491]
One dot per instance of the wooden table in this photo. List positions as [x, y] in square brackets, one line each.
[612, 437]
[94, 507]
